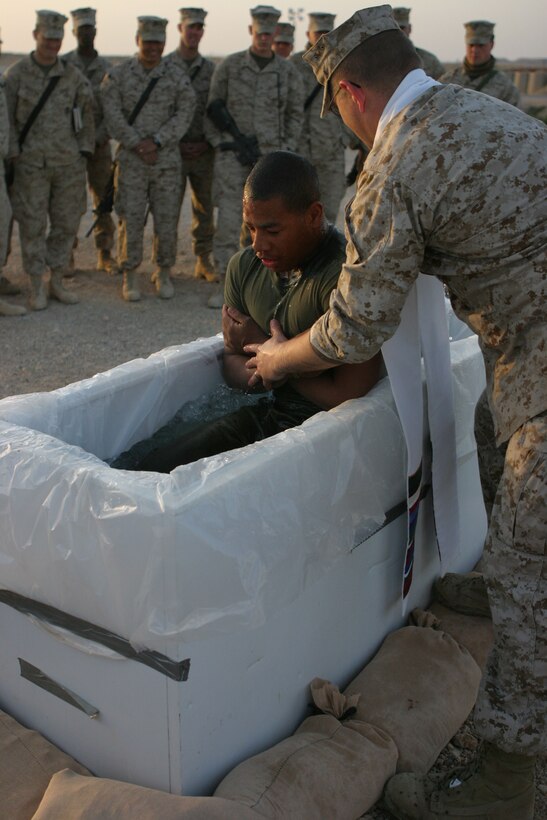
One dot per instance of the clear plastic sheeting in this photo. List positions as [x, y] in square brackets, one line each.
[214, 547]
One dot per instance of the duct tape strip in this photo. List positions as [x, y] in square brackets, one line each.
[394, 512]
[39, 678]
[176, 670]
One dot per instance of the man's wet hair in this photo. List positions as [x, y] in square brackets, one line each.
[381, 62]
[286, 175]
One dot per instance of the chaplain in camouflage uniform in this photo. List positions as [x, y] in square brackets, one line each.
[431, 64]
[197, 154]
[283, 42]
[264, 95]
[454, 188]
[322, 141]
[6, 309]
[99, 166]
[49, 176]
[478, 70]
[148, 157]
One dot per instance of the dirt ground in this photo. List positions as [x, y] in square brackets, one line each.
[48, 349]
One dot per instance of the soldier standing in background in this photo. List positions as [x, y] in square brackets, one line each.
[148, 106]
[322, 141]
[283, 43]
[263, 94]
[431, 64]
[49, 161]
[99, 165]
[5, 208]
[478, 70]
[197, 154]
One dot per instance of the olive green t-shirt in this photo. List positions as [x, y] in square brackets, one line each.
[258, 291]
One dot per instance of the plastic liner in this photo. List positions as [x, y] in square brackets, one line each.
[215, 546]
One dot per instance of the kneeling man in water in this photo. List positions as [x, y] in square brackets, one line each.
[285, 278]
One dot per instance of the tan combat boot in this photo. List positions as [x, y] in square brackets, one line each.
[205, 269]
[11, 310]
[163, 283]
[58, 291]
[107, 263]
[465, 593]
[7, 288]
[498, 786]
[130, 288]
[38, 294]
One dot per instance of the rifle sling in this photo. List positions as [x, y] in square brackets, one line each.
[142, 100]
[311, 97]
[46, 93]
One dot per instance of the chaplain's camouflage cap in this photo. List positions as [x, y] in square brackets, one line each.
[190, 16]
[152, 29]
[478, 32]
[51, 24]
[331, 49]
[402, 16]
[83, 17]
[265, 19]
[284, 33]
[320, 22]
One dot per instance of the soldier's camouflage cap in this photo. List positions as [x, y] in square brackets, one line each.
[402, 16]
[331, 49]
[190, 16]
[152, 29]
[320, 22]
[478, 32]
[51, 24]
[265, 19]
[83, 17]
[284, 33]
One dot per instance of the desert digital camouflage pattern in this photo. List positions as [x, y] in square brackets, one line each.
[99, 166]
[267, 103]
[322, 141]
[472, 212]
[5, 207]
[50, 171]
[495, 83]
[199, 171]
[510, 710]
[166, 115]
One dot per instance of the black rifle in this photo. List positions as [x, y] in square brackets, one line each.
[245, 148]
[107, 200]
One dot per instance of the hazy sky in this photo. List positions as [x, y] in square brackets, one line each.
[437, 24]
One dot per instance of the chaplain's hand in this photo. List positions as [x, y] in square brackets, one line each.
[264, 364]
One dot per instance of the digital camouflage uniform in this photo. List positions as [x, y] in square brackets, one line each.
[166, 115]
[99, 166]
[267, 103]
[432, 65]
[322, 141]
[472, 214]
[5, 207]
[495, 83]
[50, 170]
[198, 172]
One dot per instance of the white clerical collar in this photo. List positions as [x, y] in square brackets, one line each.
[413, 85]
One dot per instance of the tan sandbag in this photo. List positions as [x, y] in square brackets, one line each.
[71, 797]
[329, 699]
[27, 762]
[419, 688]
[325, 770]
[471, 631]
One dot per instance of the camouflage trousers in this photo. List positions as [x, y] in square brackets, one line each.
[138, 186]
[229, 181]
[5, 220]
[491, 457]
[55, 192]
[332, 184]
[199, 173]
[510, 710]
[99, 168]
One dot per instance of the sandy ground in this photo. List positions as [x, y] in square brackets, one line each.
[65, 343]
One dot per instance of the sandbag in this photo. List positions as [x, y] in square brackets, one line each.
[419, 688]
[93, 798]
[471, 631]
[326, 769]
[27, 762]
